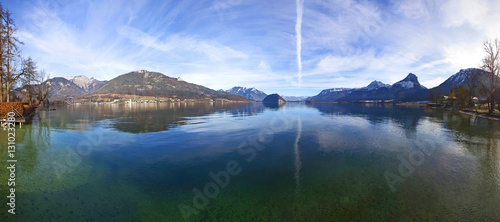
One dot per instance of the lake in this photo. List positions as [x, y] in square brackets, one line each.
[232, 162]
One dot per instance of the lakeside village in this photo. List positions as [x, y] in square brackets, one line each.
[135, 99]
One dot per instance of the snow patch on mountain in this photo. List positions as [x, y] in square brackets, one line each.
[410, 82]
[295, 98]
[250, 93]
[460, 77]
[406, 84]
[87, 84]
[326, 91]
[375, 85]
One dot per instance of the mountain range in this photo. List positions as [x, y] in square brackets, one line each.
[85, 83]
[295, 98]
[462, 78]
[408, 89]
[139, 83]
[61, 88]
[257, 95]
[146, 83]
[250, 93]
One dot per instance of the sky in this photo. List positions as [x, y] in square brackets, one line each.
[295, 48]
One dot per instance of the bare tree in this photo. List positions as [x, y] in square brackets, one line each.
[9, 53]
[42, 89]
[463, 98]
[491, 64]
[436, 96]
[3, 35]
[2, 54]
[473, 77]
[29, 74]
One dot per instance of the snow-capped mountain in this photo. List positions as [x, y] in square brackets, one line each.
[257, 95]
[61, 88]
[408, 89]
[375, 85]
[333, 90]
[295, 98]
[461, 76]
[249, 93]
[460, 79]
[85, 83]
[411, 81]
[333, 94]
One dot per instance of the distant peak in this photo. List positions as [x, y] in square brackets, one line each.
[410, 81]
[411, 77]
[376, 84]
[74, 77]
[243, 88]
[469, 69]
[248, 92]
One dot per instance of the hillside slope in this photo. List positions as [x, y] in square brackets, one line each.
[461, 79]
[145, 83]
[61, 88]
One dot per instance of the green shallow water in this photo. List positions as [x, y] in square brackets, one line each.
[299, 162]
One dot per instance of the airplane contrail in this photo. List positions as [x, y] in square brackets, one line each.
[298, 31]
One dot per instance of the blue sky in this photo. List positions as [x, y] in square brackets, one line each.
[289, 47]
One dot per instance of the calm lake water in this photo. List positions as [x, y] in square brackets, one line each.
[232, 162]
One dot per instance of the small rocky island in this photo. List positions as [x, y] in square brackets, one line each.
[273, 100]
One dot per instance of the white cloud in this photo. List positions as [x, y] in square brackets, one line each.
[433, 82]
[211, 49]
[336, 64]
[263, 66]
[225, 77]
[464, 55]
[413, 9]
[459, 12]
[143, 39]
[432, 39]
